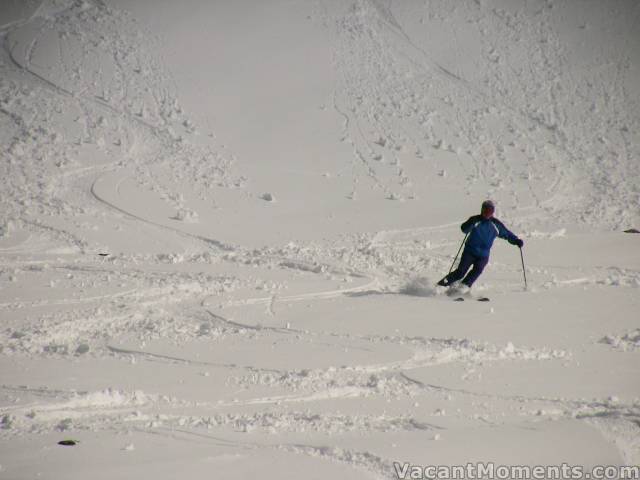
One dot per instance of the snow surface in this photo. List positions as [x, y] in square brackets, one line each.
[221, 224]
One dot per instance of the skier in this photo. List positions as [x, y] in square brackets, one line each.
[481, 231]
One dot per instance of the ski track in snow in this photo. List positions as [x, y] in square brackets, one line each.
[75, 139]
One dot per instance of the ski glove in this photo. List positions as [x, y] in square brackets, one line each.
[519, 243]
[471, 223]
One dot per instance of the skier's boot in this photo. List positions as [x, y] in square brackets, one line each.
[457, 288]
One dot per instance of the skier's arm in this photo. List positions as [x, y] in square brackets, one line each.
[467, 226]
[508, 235]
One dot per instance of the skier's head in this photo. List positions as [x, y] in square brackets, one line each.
[487, 209]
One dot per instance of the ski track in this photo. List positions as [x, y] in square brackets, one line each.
[395, 136]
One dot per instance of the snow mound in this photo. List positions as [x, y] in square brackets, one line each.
[186, 215]
[6, 228]
[626, 342]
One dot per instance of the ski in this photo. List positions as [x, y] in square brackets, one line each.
[481, 299]
[459, 294]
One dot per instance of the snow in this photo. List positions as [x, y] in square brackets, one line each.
[221, 225]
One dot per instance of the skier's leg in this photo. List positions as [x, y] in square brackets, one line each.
[466, 260]
[478, 266]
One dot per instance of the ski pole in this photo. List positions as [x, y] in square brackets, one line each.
[524, 273]
[456, 257]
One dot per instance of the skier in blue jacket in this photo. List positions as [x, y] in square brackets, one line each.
[482, 230]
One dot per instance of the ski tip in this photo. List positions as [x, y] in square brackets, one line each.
[459, 299]
[483, 299]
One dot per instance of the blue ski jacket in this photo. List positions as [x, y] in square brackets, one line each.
[482, 232]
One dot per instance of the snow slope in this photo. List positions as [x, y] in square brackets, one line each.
[221, 223]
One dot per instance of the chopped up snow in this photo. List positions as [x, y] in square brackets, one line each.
[160, 307]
